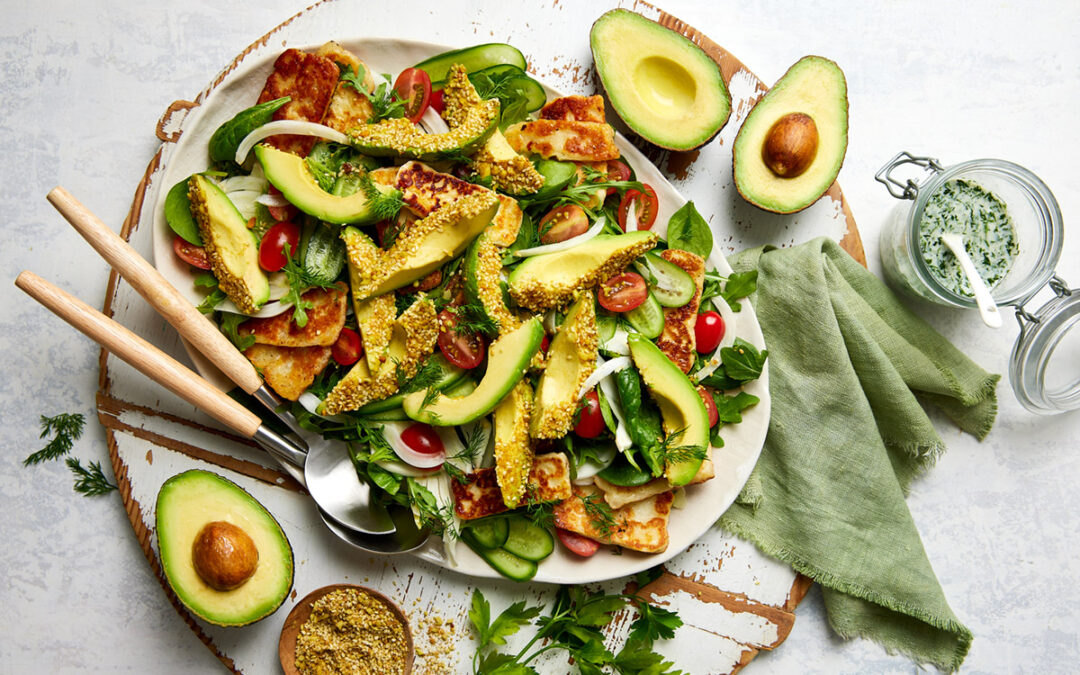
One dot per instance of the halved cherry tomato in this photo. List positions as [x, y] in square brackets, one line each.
[710, 405]
[190, 253]
[423, 439]
[617, 171]
[590, 420]
[281, 213]
[577, 544]
[347, 350]
[562, 223]
[463, 348]
[436, 101]
[545, 342]
[623, 292]
[708, 332]
[414, 87]
[645, 205]
[272, 246]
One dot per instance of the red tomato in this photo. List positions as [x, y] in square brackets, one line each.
[623, 292]
[545, 342]
[708, 331]
[414, 87]
[423, 439]
[575, 543]
[645, 206]
[272, 247]
[436, 101]
[190, 253]
[562, 223]
[347, 350]
[710, 405]
[464, 349]
[617, 170]
[590, 420]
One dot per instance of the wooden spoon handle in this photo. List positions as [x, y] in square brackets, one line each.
[145, 357]
[163, 296]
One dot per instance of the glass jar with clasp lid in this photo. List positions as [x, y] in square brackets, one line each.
[1045, 366]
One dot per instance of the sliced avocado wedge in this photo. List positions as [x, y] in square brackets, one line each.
[666, 88]
[198, 517]
[513, 449]
[549, 280]
[508, 359]
[290, 174]
[230, 246]
[482, 264]
[792, 144]
[571, 358]
[686, 421]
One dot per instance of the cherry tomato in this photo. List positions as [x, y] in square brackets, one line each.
[423, 439]
[464, 349]
[708, 331]
[623, 292]
[272, 247]
[190, 253]
[414, 87]
[423, 284]
[545, 342]
[710, 405]
[617, 170]
[575, 543]
[347, 350]
[645, 206]
[281, 213]
[436, 101]
[562, 223]
[590, 420]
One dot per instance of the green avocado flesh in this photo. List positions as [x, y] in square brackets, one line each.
[290, 174]
[815, 87]
[571, 358]
[661, 84]
[185, 504]
[680, 405]
[508, 359]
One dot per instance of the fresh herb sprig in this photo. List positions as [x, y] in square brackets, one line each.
[384, 205]
[65, 429]
[731, 288]
[91, 480]
[385, 103]
[600, 514]
[300, 280]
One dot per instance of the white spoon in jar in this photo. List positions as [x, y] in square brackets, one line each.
[988, 309]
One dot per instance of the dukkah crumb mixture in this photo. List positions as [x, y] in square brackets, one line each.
[351, 632]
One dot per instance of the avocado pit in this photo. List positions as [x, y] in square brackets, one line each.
[224, 555]
[790, 145]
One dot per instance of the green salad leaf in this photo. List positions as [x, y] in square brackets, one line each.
[688, 231]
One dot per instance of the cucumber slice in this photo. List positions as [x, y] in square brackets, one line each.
[526, 540]
[391, 415]
[501, 560]
[605, 327]
[513, 79]
[449, 375]
[647, 318]
[323, 251]
[473, 58]
[490, 532]
[557, 175]
[621, 472]
[674, 287]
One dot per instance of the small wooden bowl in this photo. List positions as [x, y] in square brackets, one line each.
[300, 613]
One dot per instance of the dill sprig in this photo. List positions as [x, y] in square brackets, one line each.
[427, 376]
[669, 453]
[383, 205]
[300, 280]
[440, 518]
[600, 514]
[472, 318]
[542, 514]
[89, 481]
[66, 428]
[385, 102]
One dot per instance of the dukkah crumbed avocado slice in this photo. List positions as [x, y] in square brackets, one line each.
[666, 88]
[513, 448]
[374, 315]
[471, 120]
[483, 262]
[230, 246]
[550, 280]
[509, 172]
[223, 554]
[571, 359]
[792, 144]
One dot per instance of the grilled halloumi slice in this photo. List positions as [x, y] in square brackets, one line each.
[566, 140]
[618, 496]
[677, 341]
[503, 230]
[348, 107]
[384, 175]
[574, 108]
[326, 317]
[548, 481]
[310, 81]
[425, 190]
[641, 526]
[288, 370]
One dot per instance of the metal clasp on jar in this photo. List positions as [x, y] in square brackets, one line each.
[909, 189]
[1060, 289]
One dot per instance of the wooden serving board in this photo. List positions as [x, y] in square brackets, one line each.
[735, 602]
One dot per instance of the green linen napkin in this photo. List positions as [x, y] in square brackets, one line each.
[848, 365]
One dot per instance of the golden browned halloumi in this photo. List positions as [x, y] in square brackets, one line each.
[503, 230]
[618, 496]
[641, 526]
[479, 496]
[326, 317]
[385, 176]
[310, 80]
[574, 108]
[565, 140]
[425, 190]
[348, 107]
[677, 341]
[288, 370]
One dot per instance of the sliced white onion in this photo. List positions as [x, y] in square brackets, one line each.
[551, 318]
[729, 338]
[618, 342]
[631, 218]
[392, 432]
[487, 442]
[244, 201]
[279, 285]
[678, 498]
[312, 404]
[295, 127]
[592, 467]
[265, 312]
[237, 183]
[439, 486]
[272, 200]
[403, 469]
[432, 122]
[622, 436]
[563, 245]
[604, 369]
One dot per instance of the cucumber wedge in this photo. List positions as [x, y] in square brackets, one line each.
[473, 58]
[557, 175]
[647, 318]
[674, 287]
[526, 540]
[502, 561]
[490, 532]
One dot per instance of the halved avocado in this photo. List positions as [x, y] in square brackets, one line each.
[792, 144]
[290, 174]
[665, 87]
[571, 358]
[232, 249]
[199, 516]
[508, 358]
[680, 405]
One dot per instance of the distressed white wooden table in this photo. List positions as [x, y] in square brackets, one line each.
[83, 89]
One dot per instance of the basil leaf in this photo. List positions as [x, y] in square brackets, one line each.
[227, 138]
[738, 286]
[178, 213]
[688, 231]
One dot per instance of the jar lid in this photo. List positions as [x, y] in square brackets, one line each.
[1045, 365]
